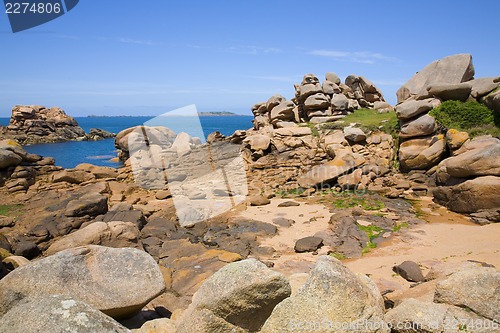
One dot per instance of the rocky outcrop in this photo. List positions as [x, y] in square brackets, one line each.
[112, 234]
[450, 78]
[332, 295]
[464, 300]
[19, 169]
[37, 124]
[140, 135]
[319, 102]
[473, 163]
[238, 298]
[471, 196]
[118, 282]
[422, 154]
[492, 100]
[450, 70]
[97, 134]
[470, 179]
[57, 314]
[415, 316]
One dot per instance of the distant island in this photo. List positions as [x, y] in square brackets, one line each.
[217, 114]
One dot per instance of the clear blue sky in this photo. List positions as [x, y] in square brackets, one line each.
[146, 57]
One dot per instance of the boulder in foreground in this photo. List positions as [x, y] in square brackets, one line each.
[57, 314]
[238, 298]
[118, 282]
[332, 295]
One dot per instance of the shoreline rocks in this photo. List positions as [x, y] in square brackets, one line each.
[34, 124]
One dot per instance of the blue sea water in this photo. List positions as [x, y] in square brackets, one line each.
[70, 154]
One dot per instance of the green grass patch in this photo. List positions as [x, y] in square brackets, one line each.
[471, 117]
[349, 200]
[401, 226]
[10, 210]
[289, 193]
[314, 129]
[369, 120]
[339, 256]
[373, 232]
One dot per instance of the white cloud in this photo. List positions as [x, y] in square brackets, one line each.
[364, 57]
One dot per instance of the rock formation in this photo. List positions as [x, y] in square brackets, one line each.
[18, 168]
[37, 124]
[318, 103]
[32, 124]
[118, 282]
[424, 145]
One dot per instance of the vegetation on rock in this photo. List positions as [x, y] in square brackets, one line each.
[368, 120]
[8, 210]
[348, 200]
[472, 117]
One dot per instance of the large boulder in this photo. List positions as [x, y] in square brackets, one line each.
[340, 102]
[422, 126]
[258, 141]
[493, 101]
[354, 134]
[274, 101]
[284, 111]
[71, 176]
[416, 316]
[183, 143]
[332, 77]
[318, 101]
[99, 172]
[310, 85]
[112, 234]
[330, 88]
[479, 142]
[323, 174]
[470, 196]
[12, 154]
[476, 289]
[473, 163]
[483, 86]
[410, 109]
[363, 89]
[422, 154]
[118, 282]
[57, 314]
[9, 159]
[293, 131]
[136, 137]
[92, 204]
[332, 296]
[454, 92]
[450, 70]
[237, 298]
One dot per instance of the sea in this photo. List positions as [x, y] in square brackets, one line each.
[70, 154]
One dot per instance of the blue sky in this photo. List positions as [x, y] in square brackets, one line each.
[122, 57]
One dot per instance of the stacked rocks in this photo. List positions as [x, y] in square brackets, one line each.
[450, 78]
[469, 180]
[37, 124]
[18, 168]
[319, 102]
